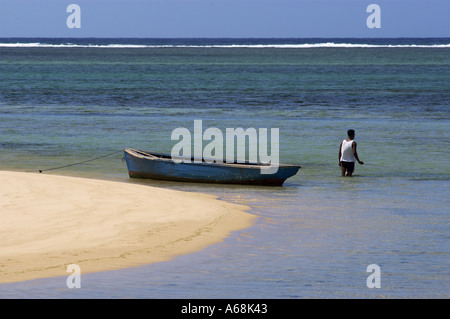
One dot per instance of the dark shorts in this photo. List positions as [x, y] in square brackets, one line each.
[349, 166]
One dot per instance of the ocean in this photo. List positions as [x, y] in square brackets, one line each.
[66, 101]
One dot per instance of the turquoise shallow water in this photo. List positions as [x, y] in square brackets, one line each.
[315, 236]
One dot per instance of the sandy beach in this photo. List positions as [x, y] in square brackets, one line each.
[49, 222]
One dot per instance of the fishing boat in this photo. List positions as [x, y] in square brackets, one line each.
[161, 166]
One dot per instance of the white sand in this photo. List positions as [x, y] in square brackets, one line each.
[48, 222]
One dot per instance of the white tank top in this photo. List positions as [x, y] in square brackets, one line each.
[347, 151]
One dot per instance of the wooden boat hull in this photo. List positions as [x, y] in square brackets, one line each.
[161, 167]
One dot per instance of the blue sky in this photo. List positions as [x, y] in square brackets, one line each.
[224, 18]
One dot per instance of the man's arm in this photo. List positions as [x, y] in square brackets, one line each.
[340, 153]
[356, 154]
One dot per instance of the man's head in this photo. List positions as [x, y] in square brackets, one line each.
[351, 133]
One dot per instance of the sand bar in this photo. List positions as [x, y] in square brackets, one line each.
[48, 222]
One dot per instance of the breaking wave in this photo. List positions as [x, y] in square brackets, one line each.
[256, 46]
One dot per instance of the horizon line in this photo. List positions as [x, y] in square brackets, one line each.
[212, 38]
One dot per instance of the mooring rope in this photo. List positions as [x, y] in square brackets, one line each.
[73, 164]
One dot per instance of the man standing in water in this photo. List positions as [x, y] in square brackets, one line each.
[348, 155]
